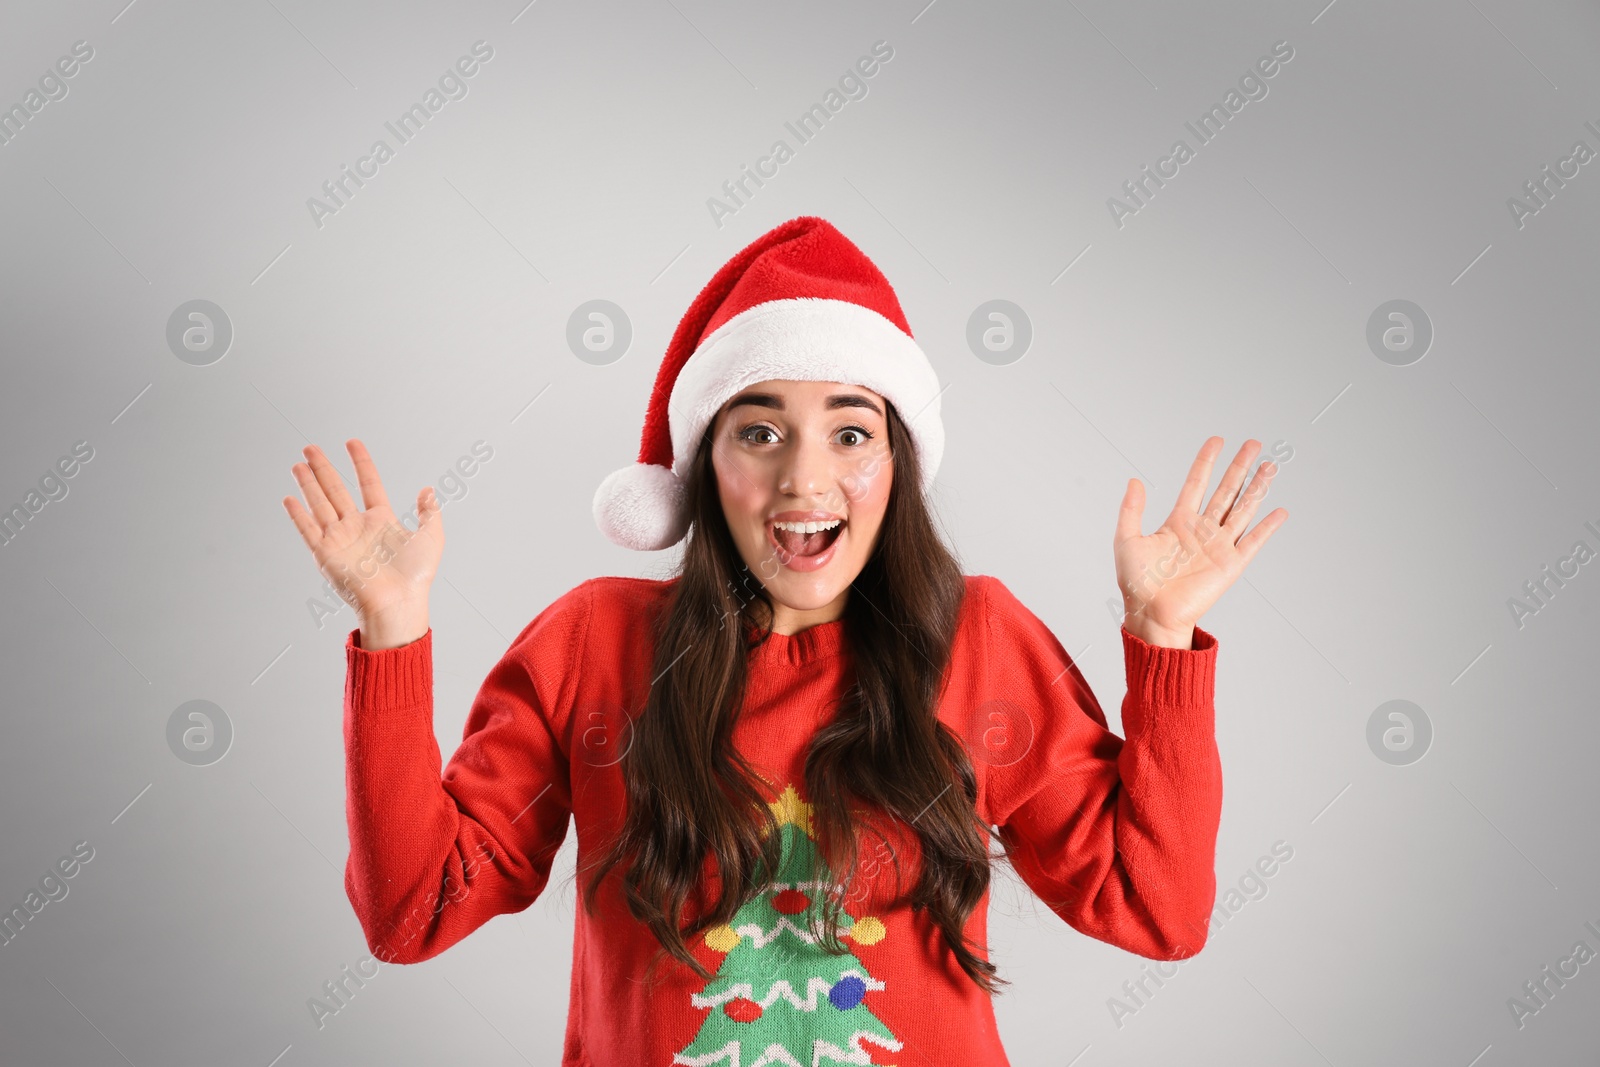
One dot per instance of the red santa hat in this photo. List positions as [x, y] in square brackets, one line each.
[799, 303]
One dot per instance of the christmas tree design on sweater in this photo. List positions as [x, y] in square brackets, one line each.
[779, 997]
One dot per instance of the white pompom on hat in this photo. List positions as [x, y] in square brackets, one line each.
[799, 303]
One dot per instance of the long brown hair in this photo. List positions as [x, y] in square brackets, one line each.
[692, 795]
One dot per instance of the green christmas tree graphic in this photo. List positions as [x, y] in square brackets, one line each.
[779, 997]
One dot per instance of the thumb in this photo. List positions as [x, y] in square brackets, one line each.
[427, 506]
[1130, 516]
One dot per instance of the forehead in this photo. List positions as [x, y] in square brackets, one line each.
[791, 396]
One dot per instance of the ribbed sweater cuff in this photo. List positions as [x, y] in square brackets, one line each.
[389, 678]
[1161, 677]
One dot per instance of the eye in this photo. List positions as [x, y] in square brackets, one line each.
[744, 434]
[859, 431]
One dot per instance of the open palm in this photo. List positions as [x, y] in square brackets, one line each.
[1170, 578]
[376, 564]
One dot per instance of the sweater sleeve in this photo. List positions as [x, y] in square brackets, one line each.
[433, 858]
[1118, 837]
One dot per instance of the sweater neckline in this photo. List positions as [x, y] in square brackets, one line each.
[816, 642]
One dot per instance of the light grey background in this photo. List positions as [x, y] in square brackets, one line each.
[431, 312]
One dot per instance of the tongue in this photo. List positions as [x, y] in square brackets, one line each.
[799, 544]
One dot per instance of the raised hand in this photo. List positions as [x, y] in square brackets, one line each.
[1172, 577]
[376, 564]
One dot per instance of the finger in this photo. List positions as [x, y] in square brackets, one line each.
[332, 482]
[427, 506]
[1239, 515]
[308, 527]
[1130, 517]
[1222, 501]
[316, 500]
[372, 494]
[1251, 542]
[1199, 477]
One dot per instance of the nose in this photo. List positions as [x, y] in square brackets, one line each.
[807, 470]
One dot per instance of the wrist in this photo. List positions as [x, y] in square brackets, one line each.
[1160, 636]
[393, 627]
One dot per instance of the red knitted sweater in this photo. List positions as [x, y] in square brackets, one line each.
[1116, 836]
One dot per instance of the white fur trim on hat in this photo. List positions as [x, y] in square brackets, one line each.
[808, 339]
[644, 506]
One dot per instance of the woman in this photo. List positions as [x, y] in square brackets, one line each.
[784, 762]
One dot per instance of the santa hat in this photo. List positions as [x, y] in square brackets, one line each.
[799, 303]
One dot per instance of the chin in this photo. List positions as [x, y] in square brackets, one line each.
[806, 592]
[800, 590]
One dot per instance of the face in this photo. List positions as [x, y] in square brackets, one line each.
[789, 452]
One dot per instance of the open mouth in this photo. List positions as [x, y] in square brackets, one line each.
[802, 539]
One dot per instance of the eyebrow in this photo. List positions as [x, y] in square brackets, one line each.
[837, 400]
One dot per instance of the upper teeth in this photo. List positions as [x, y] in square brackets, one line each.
[807, 527]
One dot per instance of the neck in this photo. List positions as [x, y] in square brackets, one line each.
[789, 621]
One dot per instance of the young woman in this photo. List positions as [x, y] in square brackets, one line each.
[785, 763]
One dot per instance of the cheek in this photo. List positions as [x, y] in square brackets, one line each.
[739, 489]
[866, 484]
